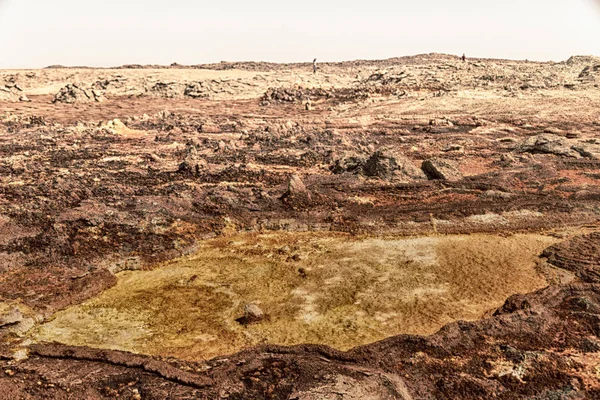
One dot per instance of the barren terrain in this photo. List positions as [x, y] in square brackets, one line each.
[412, 228]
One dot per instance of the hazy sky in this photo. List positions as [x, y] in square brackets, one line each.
[37, 33]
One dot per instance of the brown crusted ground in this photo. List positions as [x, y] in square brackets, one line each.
[83, 196]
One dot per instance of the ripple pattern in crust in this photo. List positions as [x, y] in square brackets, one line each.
[580, 255]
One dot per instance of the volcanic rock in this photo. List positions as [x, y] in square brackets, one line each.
[197, 90]
[548, 144]
[296, 187]
[389, 164]
[74, 93]
[580, 255]
[296, 195]
[590, 74]
[348, 162]
[164, 90]
[9, 93]
[441, 122]
[192, 164]
[587, 150]
[437, 168]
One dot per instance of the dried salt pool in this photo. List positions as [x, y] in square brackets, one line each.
[331, 289]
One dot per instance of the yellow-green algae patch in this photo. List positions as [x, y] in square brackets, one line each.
[330, 289]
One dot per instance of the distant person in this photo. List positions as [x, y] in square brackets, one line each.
[464, 58]
[315, 66]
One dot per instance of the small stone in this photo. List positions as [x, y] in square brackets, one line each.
[210, 128]
[10, 316]
[253, 313]
[553, 130]
[20, 355]
[441, 122]
[507, 158]
[284, 250]
[296, 190]
[454, 147]
[295, 185]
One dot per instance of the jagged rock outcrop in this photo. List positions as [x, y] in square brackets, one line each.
[197, 90]
[166, 90]
[76, 93]
[12, 92]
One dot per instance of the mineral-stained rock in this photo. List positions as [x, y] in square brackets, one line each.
[168, 90]
[10, 93]
[389, 164]
[75, 93]
[296, 194]
[580, 255]
[197, 90]
[590, 74]
[9, 315]
[441, 122]
[548, 144]
[296, 187]
[192, 164]
[347, 162]
[437, 168]
[588, 150]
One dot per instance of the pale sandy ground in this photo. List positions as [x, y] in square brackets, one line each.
[355, 291]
